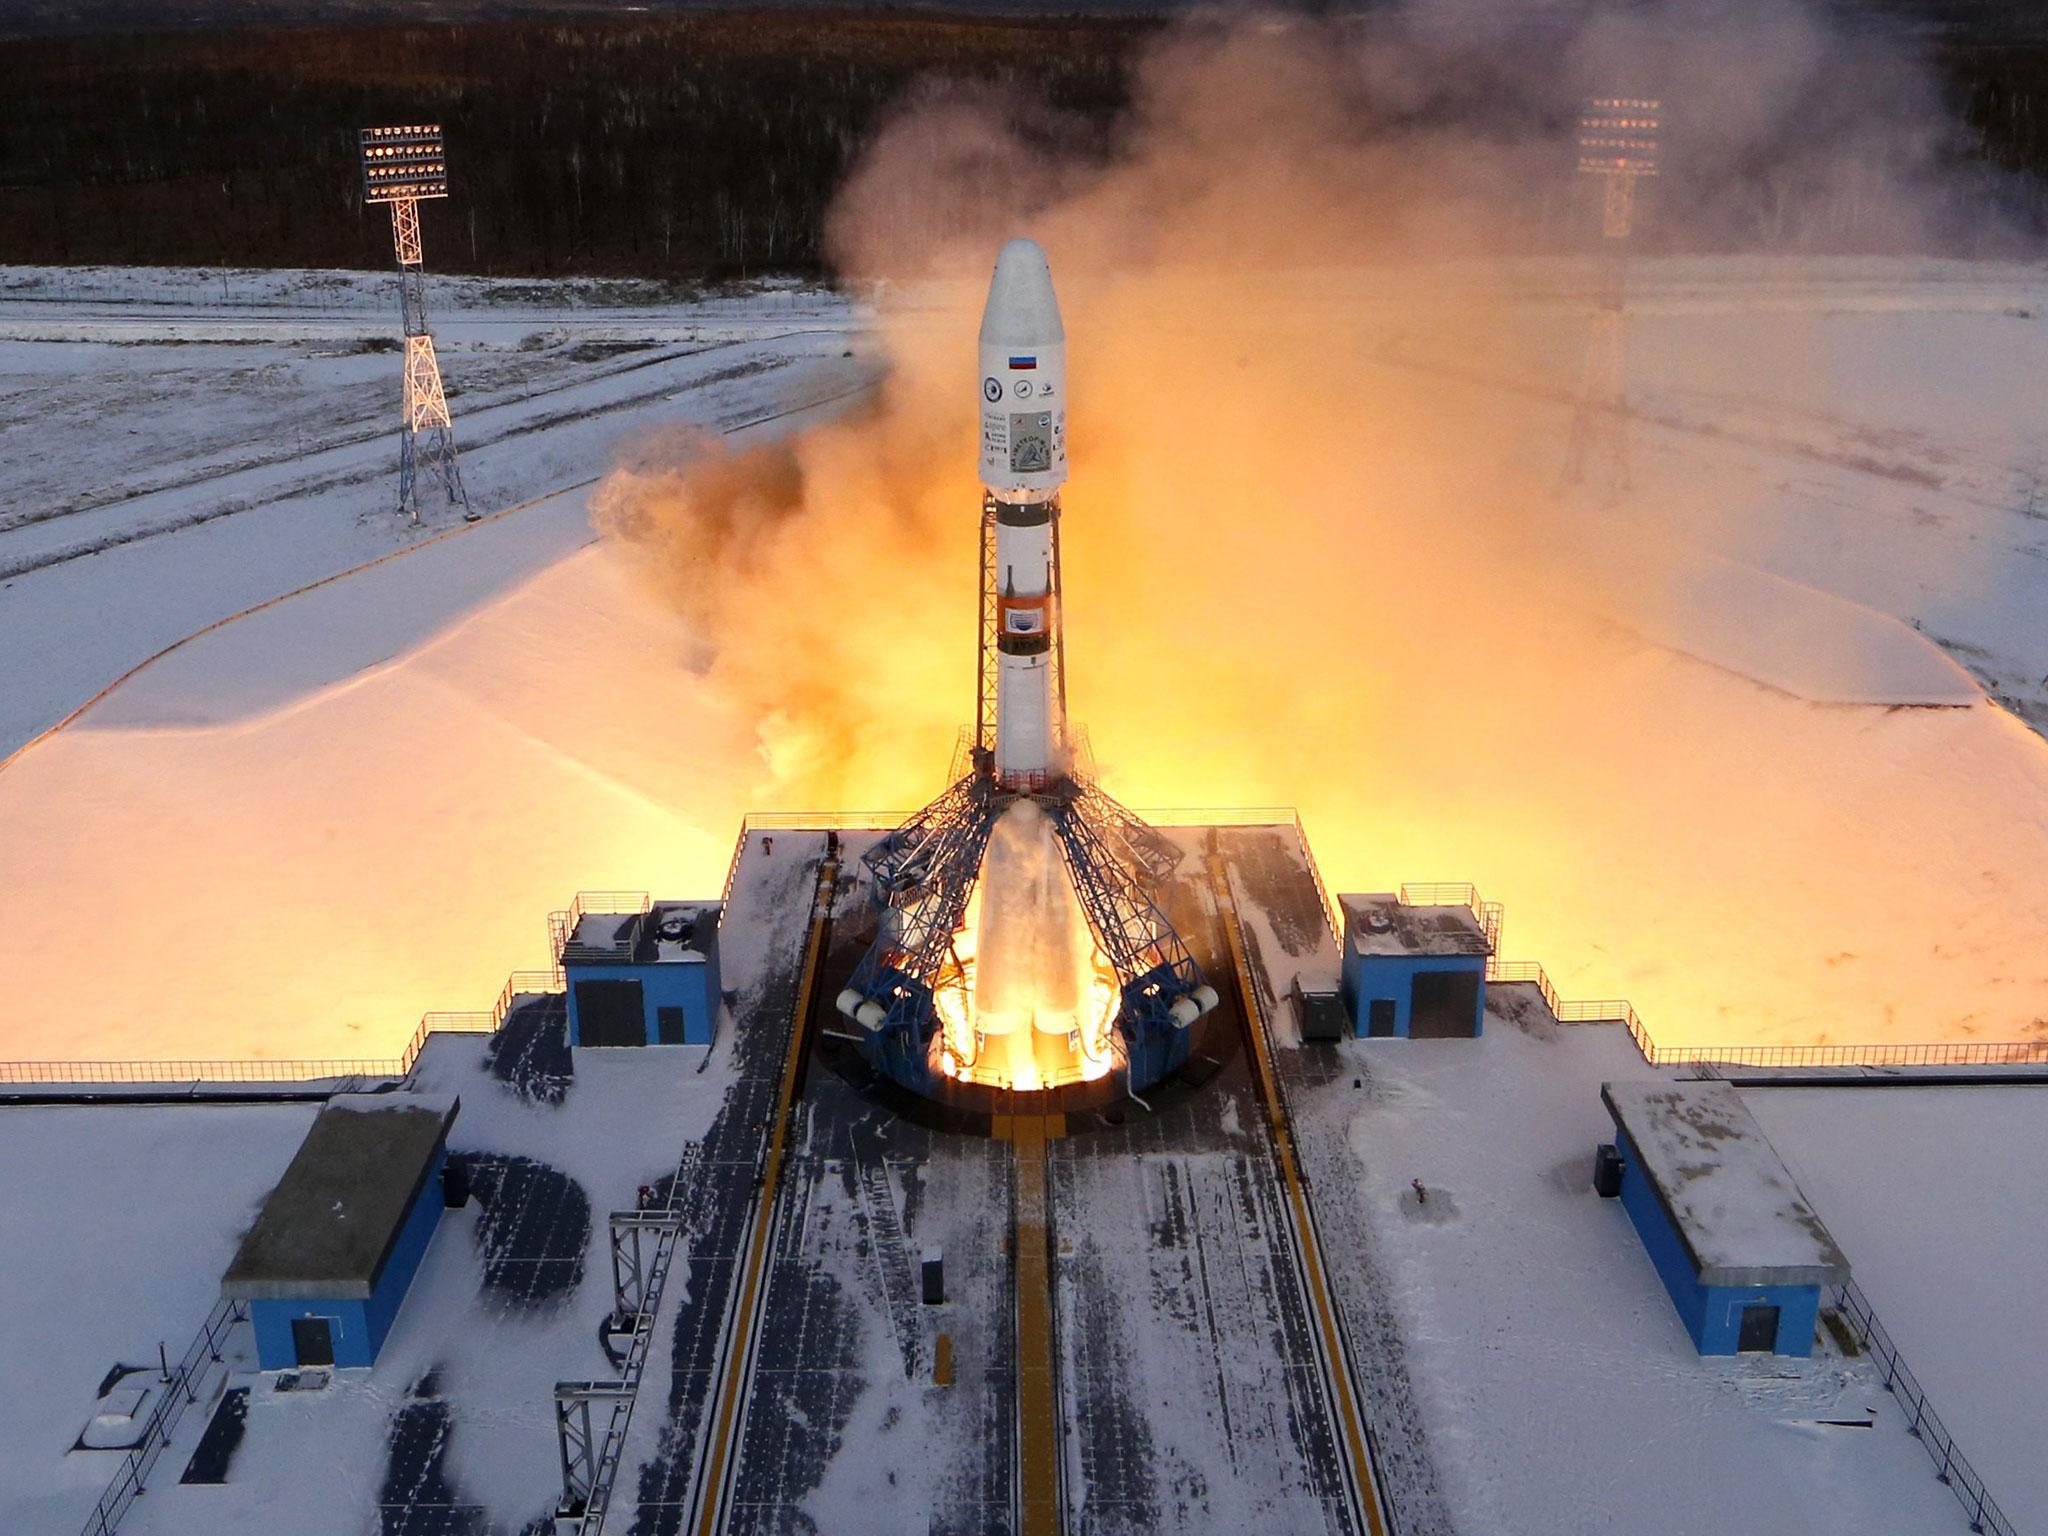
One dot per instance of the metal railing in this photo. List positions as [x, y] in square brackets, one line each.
[180, 1391]
[563, 921]
[339, 1070]
[1460, 893]
[805, 821]
[1951, 1466]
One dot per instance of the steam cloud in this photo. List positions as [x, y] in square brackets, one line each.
[1316, 552]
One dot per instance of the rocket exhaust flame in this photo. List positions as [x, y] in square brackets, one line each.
[1323, 403]
[1035, 1004]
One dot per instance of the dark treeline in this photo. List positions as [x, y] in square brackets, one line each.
[698, 146]
[705, 145]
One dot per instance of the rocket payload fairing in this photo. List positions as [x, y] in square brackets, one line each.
[1023, 466]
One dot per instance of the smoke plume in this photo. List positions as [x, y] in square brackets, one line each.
[1326, 286]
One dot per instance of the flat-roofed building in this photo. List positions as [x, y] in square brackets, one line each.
[1736, 1244]
[1415, 971]
[644, 978]
[332, 1253]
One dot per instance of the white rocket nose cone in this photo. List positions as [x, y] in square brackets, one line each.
[1022, 381]
[1021, 311]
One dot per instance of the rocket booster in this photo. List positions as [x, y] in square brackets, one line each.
[1023, 388]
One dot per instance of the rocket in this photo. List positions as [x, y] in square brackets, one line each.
[1023, 387]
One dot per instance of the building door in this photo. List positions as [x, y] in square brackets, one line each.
[1444, 1004]
[1379, 1016]
[610, 1013]
[313, 1340]
[1759, 1332]
[668, 1026]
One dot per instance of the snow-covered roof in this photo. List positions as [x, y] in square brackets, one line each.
[328, 1226]
[1385, 925]
[1730, 1197]
[669, 931]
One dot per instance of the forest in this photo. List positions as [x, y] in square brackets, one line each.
[684, 147]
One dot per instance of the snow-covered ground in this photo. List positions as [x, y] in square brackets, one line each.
[1937, 1196]
[371, 794]
[119, 1223]
[133, 1215]
[174, 460]
[1559, 1390]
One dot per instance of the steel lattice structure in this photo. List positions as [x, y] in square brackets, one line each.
[991, 620]
[922, 877]
[402, 166]
[1619, 141]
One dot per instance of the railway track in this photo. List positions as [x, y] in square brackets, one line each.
[1339, 1382]
[1047, 1417]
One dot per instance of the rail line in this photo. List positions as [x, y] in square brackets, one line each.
[719, 1463]
[1333, 1348]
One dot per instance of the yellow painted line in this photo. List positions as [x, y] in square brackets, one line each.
[771, 1179]
[1352, 1422]
[1038, 1437]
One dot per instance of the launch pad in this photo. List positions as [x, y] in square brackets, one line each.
[1055, 1077]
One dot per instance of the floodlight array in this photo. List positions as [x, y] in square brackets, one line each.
[1619, 135]
[404, 163]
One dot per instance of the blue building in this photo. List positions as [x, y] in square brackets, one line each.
[331, 1255]
[644, 978]
[1742, 1254]
[1415, 971]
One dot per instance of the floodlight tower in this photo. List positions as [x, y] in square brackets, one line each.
[401, 166]
[1618, 142]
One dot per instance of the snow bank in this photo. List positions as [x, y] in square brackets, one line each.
[1795, 638]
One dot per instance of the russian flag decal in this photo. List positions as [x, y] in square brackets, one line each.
[1023, 362]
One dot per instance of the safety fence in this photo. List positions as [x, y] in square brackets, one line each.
[340, 1071]
[563, 922]
[1618, 1010]
[181, 1387]
[1951, 1466]
[1489, 915]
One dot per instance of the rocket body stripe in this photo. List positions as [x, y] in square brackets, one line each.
[1023, 394]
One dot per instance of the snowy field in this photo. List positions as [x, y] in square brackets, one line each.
[1560, 1392]
[237, 451]
[119, 1223]
[488, 1327]
[1938, 1197]
[370, 795]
